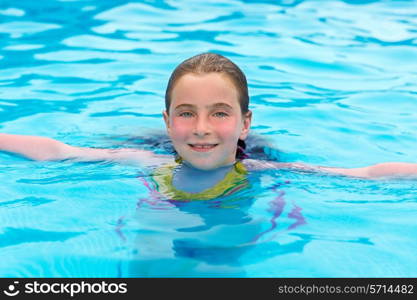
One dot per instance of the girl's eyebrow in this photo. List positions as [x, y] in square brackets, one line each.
[215, 105]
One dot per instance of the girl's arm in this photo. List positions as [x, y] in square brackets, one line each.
[41, 148]
[389, 169]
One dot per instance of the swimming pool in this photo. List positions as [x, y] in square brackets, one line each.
[331, 82]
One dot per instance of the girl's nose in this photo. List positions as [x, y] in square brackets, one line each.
[202, 126]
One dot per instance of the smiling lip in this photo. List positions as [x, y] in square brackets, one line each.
[202, 147]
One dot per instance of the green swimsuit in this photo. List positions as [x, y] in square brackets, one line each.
[234, 181]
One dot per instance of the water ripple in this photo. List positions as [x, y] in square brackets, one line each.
[27, 201]
[16, 236]
[19, 29]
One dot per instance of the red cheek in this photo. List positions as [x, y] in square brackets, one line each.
[180, 127]
[226, 128]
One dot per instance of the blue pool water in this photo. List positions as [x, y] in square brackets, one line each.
[331, 82]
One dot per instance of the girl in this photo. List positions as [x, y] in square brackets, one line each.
[207, 119]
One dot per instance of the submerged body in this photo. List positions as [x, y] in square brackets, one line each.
[185, 182]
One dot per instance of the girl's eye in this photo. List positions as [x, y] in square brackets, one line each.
[220, 114]
[186, 114]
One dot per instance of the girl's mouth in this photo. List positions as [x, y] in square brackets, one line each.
[202, 147]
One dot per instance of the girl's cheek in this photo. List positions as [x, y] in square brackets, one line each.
[180, 127]
[228, 128]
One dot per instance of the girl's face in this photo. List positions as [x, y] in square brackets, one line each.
[205, 120]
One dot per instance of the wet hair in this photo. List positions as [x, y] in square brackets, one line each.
[213, 63]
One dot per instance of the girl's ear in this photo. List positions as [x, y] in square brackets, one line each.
[247, 120]
[166, 119]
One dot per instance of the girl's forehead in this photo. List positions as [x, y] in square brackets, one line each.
[219, 80]
[204, 89]
[217, 105]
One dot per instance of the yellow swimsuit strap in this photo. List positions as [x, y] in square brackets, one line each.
[234, 180]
